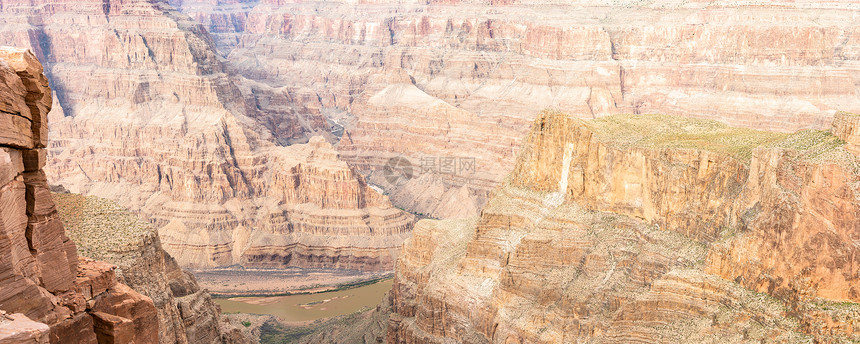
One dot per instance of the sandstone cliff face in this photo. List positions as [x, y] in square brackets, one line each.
[106, 231]
[47, 293]
[314, 211]
[476, 71]
[847, 127]
[149, 118]
[645, 228]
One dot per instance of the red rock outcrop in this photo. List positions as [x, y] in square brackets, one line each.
[17, 328]
[106, 231]
[151, 119]
[476, 71]
[50, 294]
[645, 228]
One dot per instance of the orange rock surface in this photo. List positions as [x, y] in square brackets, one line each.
[645, 228]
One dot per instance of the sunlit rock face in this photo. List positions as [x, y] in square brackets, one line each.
[465, 78]
[103, 230]
[146, 115]
[646, 228]
[48, 294]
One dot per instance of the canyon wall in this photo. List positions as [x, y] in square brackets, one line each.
[48, 294]
[646, 228]
[439, 79]
[106, 231]
[146, 115]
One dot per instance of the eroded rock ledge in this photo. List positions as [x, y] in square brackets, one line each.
[646, 229]
[106, 231]
[47, 292]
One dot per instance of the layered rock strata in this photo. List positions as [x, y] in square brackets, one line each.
[150, 118]
[846, 126]
[317, 212]
[105, 231]
[645, 228]
[47, 293]
[463, 78]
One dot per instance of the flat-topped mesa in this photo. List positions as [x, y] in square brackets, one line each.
[645, 228]
[706, 180]
[42, 279]
[645, 166]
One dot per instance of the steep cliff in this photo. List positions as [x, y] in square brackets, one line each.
[646, 228]
[436, 79]
[105, 231]
[48, 294]
[149, 118]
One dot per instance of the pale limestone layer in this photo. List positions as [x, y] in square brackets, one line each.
[645, 229]
[149, 117]
[471, 75]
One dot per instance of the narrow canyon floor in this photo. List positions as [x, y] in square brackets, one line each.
[239, 281]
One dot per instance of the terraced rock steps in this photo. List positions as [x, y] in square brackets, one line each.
[645, 228]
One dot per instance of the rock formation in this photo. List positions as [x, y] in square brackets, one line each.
[435, 79]
[317, 212]
[846, 126]
[105, 231]
[646, 228]
[48, 294]
[149, 118]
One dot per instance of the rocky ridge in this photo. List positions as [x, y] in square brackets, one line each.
[646, 228]
[146, 115]
[106, 231]
[439, 79]
[48, 294]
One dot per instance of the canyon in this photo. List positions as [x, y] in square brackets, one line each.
[202, 123]
[647, 228]
[694, 177]
[435, 80]
[145, 115]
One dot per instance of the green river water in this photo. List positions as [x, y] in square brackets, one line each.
[306, 307]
